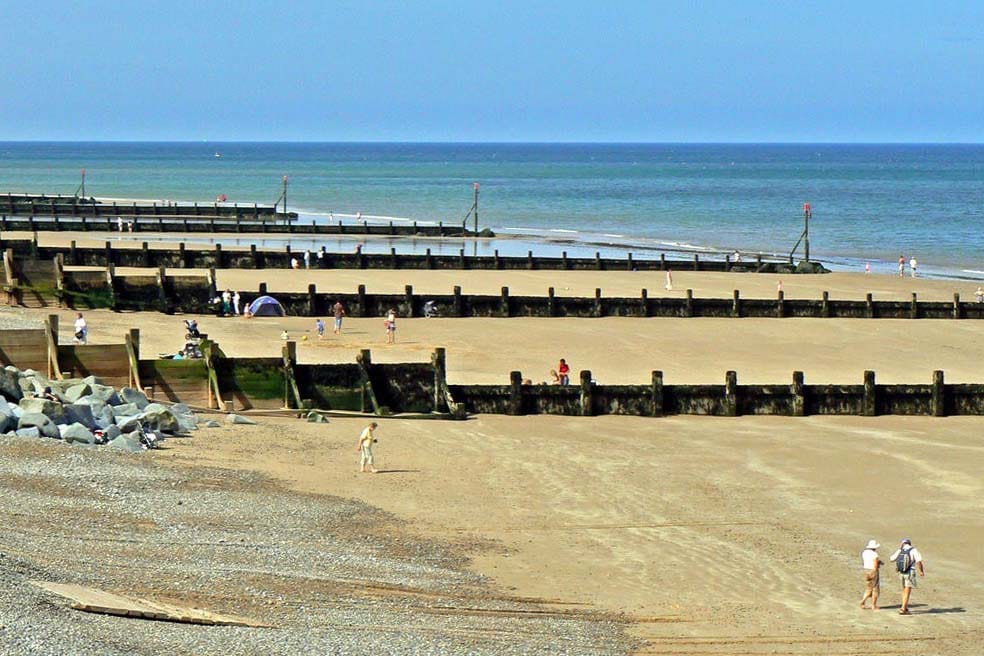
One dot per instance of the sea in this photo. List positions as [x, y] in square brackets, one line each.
[869, 202]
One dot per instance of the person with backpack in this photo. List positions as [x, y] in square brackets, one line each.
[907, 560]
[872, 583]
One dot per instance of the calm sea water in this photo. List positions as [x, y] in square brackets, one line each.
[870, 202]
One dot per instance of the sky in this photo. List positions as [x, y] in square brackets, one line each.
[436, 70]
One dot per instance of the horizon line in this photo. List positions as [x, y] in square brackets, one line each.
[495, 143]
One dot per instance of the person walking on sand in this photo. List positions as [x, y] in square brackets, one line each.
[319, 325]
[871, 564]
[901, 265]
[912, 265]
[119, 224]
[235, 303]
[979, 294]
[564, 372]
[226, 303]
[391, 326]
[907, 561]
[81, 329]
[339, 310]
[366, 440]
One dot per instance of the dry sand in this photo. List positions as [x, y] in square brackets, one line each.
[616, 350]
[714, 535]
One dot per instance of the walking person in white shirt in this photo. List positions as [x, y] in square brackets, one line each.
[81, 329]
[366, 440]
[907, 560]
[871, 563]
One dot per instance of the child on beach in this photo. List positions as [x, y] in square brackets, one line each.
[390, 323]
[563, 372]
[319, 325]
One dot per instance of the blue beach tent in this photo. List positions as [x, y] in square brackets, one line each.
[266, 306]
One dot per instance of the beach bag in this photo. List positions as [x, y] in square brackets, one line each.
[903, 563]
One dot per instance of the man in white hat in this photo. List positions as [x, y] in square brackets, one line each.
[907, 560]
[871, 562]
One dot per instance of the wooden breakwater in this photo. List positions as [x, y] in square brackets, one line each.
[48, 208]
[38, 283]
[197, 256]
[226, 382]
[211, 220]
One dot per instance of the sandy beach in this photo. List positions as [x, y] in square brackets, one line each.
[703, 535]
[686, 350]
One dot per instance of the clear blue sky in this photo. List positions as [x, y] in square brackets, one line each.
[576, 70]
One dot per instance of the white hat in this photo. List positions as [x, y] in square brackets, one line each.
[872, 544]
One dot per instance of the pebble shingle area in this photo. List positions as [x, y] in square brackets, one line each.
[334, 576]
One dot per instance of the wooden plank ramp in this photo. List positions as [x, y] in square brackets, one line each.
[93, 600]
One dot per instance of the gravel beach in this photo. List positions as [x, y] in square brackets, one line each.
[330, 575]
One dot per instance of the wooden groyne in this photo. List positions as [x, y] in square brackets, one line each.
[219, 380]
[60, 206]
[198, 256]
[208, 223]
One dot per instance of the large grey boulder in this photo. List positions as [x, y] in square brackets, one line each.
[129, 424]
[50, 409]
[105, 393]
[77, 433]
[7, 419]
[111, 433]
[92, 380]
[134, 396]
[125, 410]
[239, 419]
[76, 392]
[161, 418]
[92, 402]
[103, 418]
[15, 409]
[30, 431]
[10, 385]
[129, 442]
[77, 413]
[43, 423]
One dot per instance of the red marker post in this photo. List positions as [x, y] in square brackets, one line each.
[807, 213]
[475, 207]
